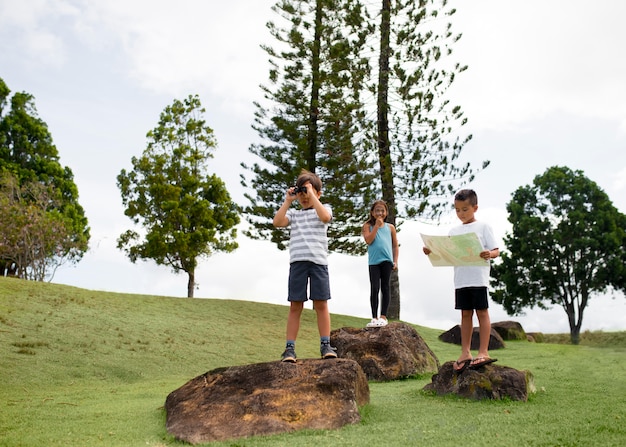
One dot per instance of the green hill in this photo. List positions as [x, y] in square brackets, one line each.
[83, 368]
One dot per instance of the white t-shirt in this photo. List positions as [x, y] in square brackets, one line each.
[474, 276]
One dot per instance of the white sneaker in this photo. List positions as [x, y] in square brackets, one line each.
[373, 323]
[382, 322]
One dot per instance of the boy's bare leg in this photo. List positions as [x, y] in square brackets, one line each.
[484, 322]
[467, 326]
[323, 318]
[293, 320]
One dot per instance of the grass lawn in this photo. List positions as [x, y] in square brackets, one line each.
[85, 368]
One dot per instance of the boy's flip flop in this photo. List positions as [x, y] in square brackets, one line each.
[479, 362]
[459, 366]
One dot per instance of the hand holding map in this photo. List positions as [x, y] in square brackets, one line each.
[458, 250]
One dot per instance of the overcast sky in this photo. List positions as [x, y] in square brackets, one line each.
[545, 86]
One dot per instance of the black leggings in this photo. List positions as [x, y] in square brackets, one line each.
[379, 281]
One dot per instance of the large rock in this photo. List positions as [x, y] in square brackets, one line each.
[510, 330]
[267, 398]
[535, 337]
[489, 382]
[386, 353]
[453, 335]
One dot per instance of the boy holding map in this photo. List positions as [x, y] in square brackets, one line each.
[471, 282]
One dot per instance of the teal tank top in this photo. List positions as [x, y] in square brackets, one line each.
[380, 250]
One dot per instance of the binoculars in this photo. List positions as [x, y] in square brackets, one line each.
[297, 189]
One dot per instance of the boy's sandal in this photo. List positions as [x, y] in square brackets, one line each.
[459, 366]
[479, 362]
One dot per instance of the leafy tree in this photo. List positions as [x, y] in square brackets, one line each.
[399, 135]
[186, 213]
[568, 243]
[32, 229]
[28, 153]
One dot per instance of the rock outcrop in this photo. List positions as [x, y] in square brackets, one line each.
[267, 398]
[453, 335]
[536, 337]
[386, 353]
[510, 330]
[488, 382]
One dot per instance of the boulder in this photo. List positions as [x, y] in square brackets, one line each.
[386, 353]
[536, 337]
[453, 335]
[267, 398]
[509, 330]
[488, 382]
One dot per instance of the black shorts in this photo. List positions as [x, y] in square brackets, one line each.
[307, 276]
[471, 298]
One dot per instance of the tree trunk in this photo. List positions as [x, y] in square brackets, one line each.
[574, 326]
[191, 283]
[315, 90]
[394, 302]
[384, 145]
[575, 336]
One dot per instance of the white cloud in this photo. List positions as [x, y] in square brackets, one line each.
[178, 47]
[21, 14]
[532, 58]
[172, 48]
[35, 42]
[619, 180]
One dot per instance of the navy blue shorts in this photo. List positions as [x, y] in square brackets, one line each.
[470, 298]
[305, 274]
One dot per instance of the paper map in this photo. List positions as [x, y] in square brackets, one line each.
[462, 249]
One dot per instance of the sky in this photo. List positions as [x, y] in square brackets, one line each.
[545, 87]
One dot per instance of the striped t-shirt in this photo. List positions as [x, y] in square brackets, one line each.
[308, 240]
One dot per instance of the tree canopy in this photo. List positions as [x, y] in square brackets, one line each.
[568, 244]
[186, 212]
[43, 223]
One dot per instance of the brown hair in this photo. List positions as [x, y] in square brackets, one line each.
[372, 218]
[307, 176]
[467, 194]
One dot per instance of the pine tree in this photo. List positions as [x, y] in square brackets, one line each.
[314, 118]
[417, 128]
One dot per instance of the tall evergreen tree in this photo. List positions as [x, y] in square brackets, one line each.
[418, 136]
[313, 117]
[425, 137]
